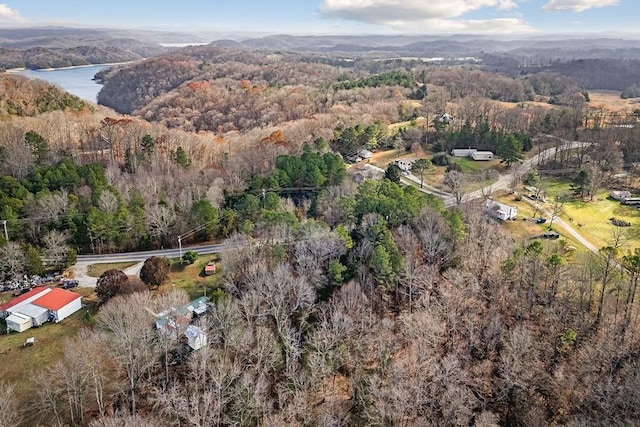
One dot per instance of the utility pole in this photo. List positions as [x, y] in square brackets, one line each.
[6, 235]
[180, 245]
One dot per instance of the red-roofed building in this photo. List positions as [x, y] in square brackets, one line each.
[210, 269]
[60, 303]
[14, 305]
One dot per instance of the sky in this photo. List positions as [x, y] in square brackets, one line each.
[505, 17]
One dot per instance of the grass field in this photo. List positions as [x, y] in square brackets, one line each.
[191, 278]
[595, 216]
[95, 270]
[18, 363]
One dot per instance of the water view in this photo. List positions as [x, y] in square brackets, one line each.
[77, 80]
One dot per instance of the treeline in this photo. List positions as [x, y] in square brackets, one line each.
[80, 202]
[479, 136]
[392, 78]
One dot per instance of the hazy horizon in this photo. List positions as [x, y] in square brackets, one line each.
[515, 18]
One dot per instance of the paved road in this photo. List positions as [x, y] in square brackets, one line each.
[84, 261]
[80, 268]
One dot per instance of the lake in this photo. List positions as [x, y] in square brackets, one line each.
[75, 80]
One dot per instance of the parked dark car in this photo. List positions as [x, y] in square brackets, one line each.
[68, 284]
[541, 220]
[550, 235]
[21, 291]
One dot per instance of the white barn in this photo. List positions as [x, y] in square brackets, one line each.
[500, 210]
[61, 303]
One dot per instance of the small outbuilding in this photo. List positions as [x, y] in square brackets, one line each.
[365, 154]
[445, 118]
[210, 269]
[18, 322]
[620, 194]
[60, 303]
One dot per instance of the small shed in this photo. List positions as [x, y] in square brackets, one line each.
[210, 269]
[445, 118]
[60, 303]
[38, 315]
[199, 305]
[482, 155]
[18, 322]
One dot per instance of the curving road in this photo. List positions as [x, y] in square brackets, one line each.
[80, 268]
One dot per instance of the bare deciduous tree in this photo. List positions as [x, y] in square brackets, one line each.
[130, 338]
[456, 182]
[9, 412]
[12, 260]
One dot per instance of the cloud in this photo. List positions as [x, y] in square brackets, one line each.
[9, 15]
[376, 11]
[432, 16]
[577, 5]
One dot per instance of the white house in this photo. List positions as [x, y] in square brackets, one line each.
[482, 155]
[500, 211]
[404, 164]
[463, 152]
[61, 303]
[177, 321]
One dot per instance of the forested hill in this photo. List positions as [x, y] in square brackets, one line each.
[601, 73]
[20, 96]
[41, 48]
[220, 89]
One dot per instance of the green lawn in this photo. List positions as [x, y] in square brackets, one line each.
[524, 229]
[191, 278]
[96, 270]
[471, 166]
[592, 218]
